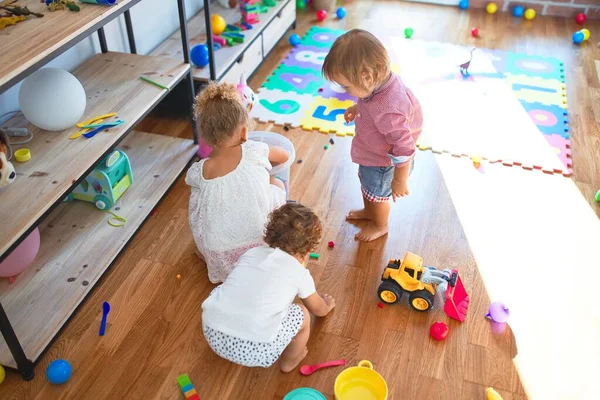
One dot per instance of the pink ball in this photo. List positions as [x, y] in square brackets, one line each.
[475, 32]
[439, 331]
[321, 15]
[21, 257]
[580, 18]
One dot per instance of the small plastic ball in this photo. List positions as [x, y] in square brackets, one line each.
[475, 32]
[491, 8]
[529, 14]
[341, 12]
[408, 32]
[295, 39]
[463, 5]
[580, 18]
[199, 55]
[439, 331]
[586, 33]
[498, 312]
[218, 24]
[518, 11]
[59, 371]
[300, 4]
[321, 15]
[578, 37]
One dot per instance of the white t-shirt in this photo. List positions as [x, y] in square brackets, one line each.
[255, 297]
[228, 214]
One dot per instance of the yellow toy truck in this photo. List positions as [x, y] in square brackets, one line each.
[421, 283]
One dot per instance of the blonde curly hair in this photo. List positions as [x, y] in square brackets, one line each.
[220, 113]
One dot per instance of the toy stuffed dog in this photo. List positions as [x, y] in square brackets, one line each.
[249, 98]
[7, 171]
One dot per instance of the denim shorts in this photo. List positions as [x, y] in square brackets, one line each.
[376, 182]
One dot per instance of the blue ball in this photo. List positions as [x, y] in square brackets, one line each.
[199, 55]
[463, 5]
[59, 371]
[578, 37]
[341, 12]
[295, 39]
[518, 11]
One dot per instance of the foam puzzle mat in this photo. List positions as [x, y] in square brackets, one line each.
[510, 108]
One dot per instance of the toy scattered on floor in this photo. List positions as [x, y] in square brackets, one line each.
[116, 221]
[199, 55]
[2, 374]
[326, 147]
[331, 245]
[475, 32]
[21, 257]
[581, 18]
[340, 12]
[7, 169]
[178, 276]
[586, 33]
[421, 283]
[218, 24]
[491, 8]
[105, 311]
[187, 388]
[530, 14]
[331, 141]
[498, 312]
[299, 161]
[439, 331]
[578, 37]
[476, 161]
[309, 369]
[55, 5]
[491, 394]
[304, 394]
[518, 11]
[314, 255]
[100, 2]
[598, 196]
[106, 183]
[360, 382]
[380, 305]
[408, 32]
[300, 4]
[59, 371]
[463, 4]
[464, 67]
[321, 15]
[150, 81]
[295, 39]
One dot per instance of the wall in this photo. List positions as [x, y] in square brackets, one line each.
[153, 21]
[563, 8]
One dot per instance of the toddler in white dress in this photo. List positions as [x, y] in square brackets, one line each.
[232, 192]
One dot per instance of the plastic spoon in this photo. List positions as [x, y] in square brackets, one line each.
[309, 369]
[105, 311]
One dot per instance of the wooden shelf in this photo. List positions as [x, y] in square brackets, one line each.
[112, 83]
[28, 45]
[225, 56]
[77, 244]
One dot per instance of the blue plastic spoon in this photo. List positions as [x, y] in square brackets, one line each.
[105, 311]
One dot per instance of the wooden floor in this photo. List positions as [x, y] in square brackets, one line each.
[154, 331]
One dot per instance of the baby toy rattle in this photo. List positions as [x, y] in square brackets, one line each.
[7, 170]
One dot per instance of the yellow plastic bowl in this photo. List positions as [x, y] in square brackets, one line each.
[360, 383]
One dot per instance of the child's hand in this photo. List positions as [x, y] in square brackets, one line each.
[399, 189]
[350, 114]
[330, 301]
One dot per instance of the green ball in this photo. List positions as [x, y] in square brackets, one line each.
[408, 32]
[300, 5]
[598, 196]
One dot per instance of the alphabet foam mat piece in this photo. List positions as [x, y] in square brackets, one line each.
[511, 108]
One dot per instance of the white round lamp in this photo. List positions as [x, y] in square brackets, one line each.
[52, 99]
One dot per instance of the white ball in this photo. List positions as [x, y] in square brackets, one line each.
[52, 99]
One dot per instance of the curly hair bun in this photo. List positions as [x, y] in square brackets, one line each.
[294, 228]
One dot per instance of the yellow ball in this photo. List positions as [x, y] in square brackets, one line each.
[530, 14]
[491, 8]
[2, 374]
[218, 24]
[586, 34]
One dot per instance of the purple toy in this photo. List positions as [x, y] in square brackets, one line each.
[498, 312]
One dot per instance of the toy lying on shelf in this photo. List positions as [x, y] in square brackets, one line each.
[106, 183]
[422, 282]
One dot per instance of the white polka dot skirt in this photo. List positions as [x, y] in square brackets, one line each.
[256, 354]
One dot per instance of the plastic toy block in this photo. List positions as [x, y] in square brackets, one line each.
[236, 38]
[598, 196]
[187, 387]
[219, 40]
[269, 3]
[331, 244]
[232, 28]
[248, 26]
[184, 380]
[314, 255]
[194, 397]
[189, 393]
[326, 147]
[380, 305]
[331, 141]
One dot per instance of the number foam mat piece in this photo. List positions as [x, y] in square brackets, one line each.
[511, 107]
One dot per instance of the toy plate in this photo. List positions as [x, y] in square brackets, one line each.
[304, 394]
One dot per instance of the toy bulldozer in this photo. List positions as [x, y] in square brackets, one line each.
[421, 283]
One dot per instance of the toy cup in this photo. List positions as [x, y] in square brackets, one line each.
[360, 383]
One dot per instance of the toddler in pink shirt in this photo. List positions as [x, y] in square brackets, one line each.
[388, 120]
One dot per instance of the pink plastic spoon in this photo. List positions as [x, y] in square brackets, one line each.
[309, 369]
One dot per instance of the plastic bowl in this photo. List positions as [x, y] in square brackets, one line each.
[360, 383]
[281, 171]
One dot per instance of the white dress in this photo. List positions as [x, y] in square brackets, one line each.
[228, 214]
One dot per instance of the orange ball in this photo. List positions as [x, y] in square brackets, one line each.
[218, 24]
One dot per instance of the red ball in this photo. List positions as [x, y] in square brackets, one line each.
[439, 331]
[475, 32]
[580, 18]
[331, 244]
[321, 15]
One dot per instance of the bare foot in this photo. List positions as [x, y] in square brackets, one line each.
[371, 232]
[358, 214]
[290, 365]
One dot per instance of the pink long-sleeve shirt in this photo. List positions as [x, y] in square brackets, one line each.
[388, 124]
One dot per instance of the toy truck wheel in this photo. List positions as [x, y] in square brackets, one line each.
[389, 292]
[421, 300]
[102, 202]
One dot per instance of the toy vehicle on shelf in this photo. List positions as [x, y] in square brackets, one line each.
[422, 283]
[106, 183]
